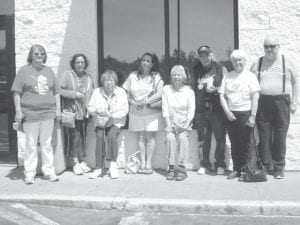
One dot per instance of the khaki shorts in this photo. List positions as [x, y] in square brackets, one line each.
[151, 122]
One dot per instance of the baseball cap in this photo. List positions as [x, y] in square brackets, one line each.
[204, 48]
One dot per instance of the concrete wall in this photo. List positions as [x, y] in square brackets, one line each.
[63, 27]
[281, 18]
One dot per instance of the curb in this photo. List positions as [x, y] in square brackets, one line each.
[205, 207]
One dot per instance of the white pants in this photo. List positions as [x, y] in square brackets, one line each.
[42, 130]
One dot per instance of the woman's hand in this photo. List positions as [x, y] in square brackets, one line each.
[18, 116]
[58, 114]
[79, 95]
[230, 116]
[251, 121]
[168, 129]
[293, 108]
[101, 112]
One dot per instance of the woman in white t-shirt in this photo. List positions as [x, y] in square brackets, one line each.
[239, 93]
[144, 88]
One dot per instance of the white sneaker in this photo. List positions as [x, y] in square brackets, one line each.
[113, 170]
[220, 171]
[77, 169]
[201, 171]
[96, 173]
[84, 167]
[29, 180]
[52, 178]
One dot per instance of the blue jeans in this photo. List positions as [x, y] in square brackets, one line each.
[273, 119]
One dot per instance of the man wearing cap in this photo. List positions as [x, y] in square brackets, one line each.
[209, 116]
[277, 77]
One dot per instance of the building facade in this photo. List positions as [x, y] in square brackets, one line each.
[114, 33]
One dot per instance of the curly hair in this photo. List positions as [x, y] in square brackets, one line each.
[75, 56]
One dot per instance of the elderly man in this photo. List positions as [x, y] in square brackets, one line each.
[209, 117]
[277, 77]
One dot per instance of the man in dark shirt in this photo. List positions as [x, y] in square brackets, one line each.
[209, 116]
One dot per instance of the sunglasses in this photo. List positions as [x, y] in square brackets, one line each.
[270, 46]
[39, 53]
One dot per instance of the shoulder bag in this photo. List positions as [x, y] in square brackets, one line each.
[254, 175]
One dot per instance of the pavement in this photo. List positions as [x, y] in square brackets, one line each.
[199, 194]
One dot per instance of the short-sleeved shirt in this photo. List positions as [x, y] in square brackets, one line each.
[271, 76]
[141, 88]
[178, 105]
[237, 88]
[37, 92]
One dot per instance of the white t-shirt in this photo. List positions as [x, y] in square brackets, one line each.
[140, 88]
[237, 88]
[178, 105]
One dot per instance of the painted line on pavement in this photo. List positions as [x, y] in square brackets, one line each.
[34, 215]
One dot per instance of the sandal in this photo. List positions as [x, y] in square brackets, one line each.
[141, 171]
[148, 171]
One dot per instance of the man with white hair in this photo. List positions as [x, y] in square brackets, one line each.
[278, 80]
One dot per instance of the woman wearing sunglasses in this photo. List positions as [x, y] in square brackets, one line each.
[37, 104]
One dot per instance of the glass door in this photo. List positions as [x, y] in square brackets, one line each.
[8, 149]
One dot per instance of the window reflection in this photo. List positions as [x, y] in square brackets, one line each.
[132, 27]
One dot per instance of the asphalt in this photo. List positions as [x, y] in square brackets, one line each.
[198, 194]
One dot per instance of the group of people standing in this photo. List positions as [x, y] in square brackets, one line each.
[211, 100]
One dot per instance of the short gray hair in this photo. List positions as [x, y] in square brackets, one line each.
[238, 54]
[109, 74]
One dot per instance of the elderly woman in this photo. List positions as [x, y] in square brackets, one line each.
[178, 108]
[144, 87]
[36, 103]
[239, 93]
[109, 107]
[77, 87]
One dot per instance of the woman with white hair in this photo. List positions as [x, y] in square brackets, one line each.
[109, 107]
[178, 108]
[239, 93]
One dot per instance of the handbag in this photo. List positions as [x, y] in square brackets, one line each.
[101, 121]
[68, 118]
[157, 103]
[133, 163]
[250, 174]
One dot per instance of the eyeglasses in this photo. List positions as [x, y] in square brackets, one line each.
[270, 46]
[39, 53]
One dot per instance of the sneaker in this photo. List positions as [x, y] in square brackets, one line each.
[181, 175]
[171, 175]
[29, 180]
[201, 171]
[233, 175]
[113, 170]
[77, 169]
[52, 178]
[84, 167]
[220, 171]
[279, 175]
[96, 173]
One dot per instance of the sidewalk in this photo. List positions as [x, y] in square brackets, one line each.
[208, 194]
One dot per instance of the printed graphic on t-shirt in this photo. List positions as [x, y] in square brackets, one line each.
[42, 87]
[206, 82]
